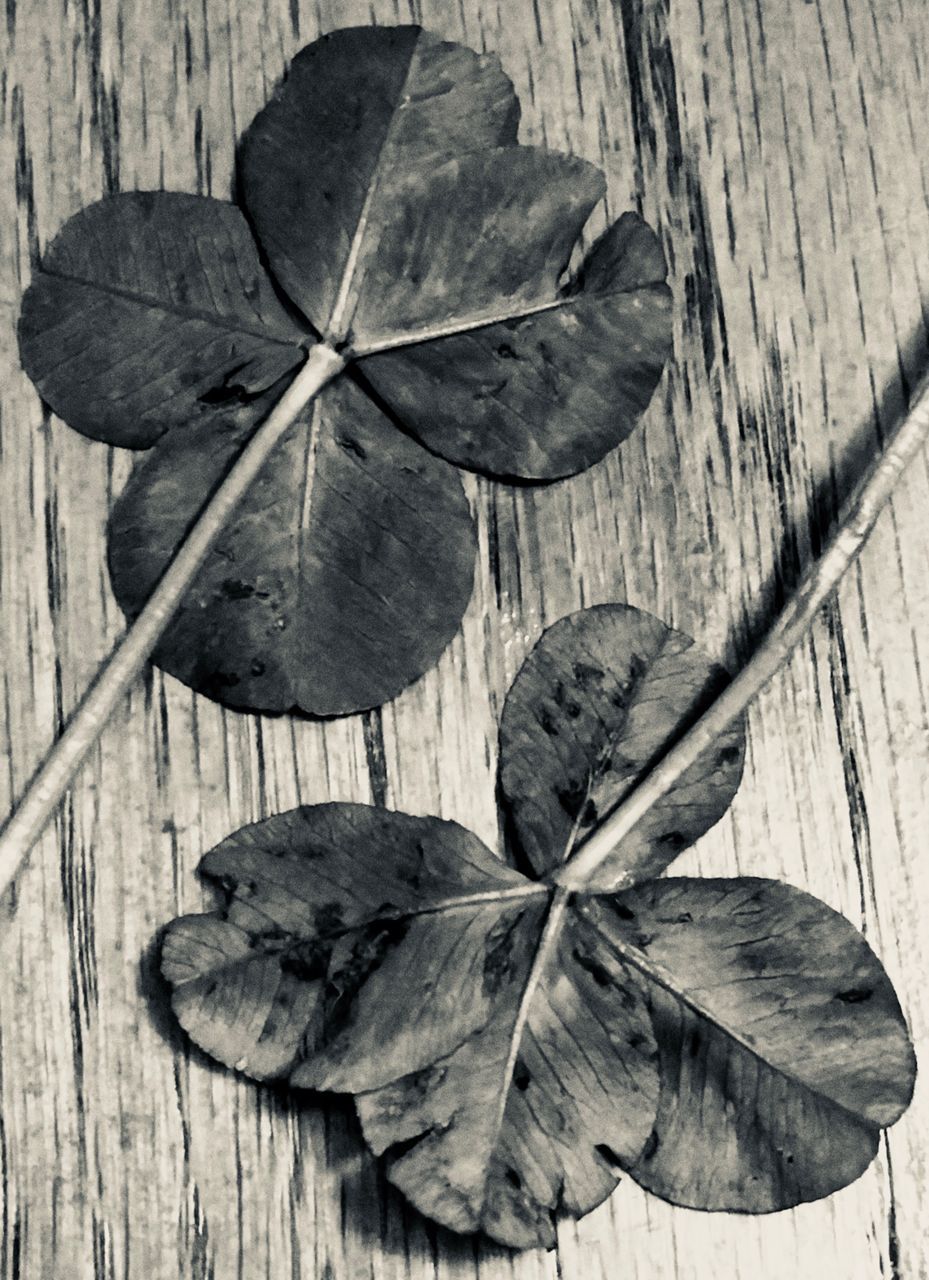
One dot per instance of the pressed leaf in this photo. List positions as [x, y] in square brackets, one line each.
[321, 899]
[783, 1048]
[413, 236]
[341, 577]
[445, 278]
[321, 163]
[150, 310]
[603, 693]
[387, 955]
[543, 392]
[513, 1045]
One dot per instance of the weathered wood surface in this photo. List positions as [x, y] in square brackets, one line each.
[780, 150]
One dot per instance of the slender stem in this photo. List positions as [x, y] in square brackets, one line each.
[820, 580]
[115, 677]
[551, 932]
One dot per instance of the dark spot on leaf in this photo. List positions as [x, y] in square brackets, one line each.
[548, 724]
[642, 940]
[571, 798]
[673, 840]
[572, 709]
[596, 970]
[513, 1178]
[636, 1040]
[522, 1077]
[257, 668]
[328, 917]
[730, 755]
[624, 996]
[506, 352]
[307, 961]
[236, 589]
[499, 948]
[608, 1155]
[228, 391]
[651, 1146]
[624, 912]
[350, 445]
[419, 1084]
[213, 683]
[584, 673]
[371, 945]
[855, 995]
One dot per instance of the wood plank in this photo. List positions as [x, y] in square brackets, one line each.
[778, 149]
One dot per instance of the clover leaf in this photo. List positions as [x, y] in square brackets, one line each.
[514, 1043]
[400, 232]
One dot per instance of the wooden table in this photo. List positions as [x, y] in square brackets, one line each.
[780, 148]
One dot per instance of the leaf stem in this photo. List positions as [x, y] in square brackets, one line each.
[50, 782]
[551, 932]
[818, 583]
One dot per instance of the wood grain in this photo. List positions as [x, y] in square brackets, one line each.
[779, 150]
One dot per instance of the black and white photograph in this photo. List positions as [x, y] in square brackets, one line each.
[464, 640]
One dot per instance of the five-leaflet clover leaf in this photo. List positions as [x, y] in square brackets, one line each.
[512, 1044]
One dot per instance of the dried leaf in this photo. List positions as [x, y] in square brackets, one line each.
[783, 1051]
[593, 706]
[413, 236]
[512, 1046]
[548, 392]
[341, 577]
[369, 951]
[360, 111]
[149, 311]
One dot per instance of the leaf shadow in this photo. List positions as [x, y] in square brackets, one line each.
[155, 993]
[383, 1221]
[377, 1216]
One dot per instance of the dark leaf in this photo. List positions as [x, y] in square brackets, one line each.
[512, 1047]
[444, 271]
[386, 955]
[548, 392]
[361, 110]
[341, 577]
[774, 1084]
[149, 310]
[408, 228]
[601, 696]
[484, 236]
